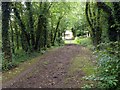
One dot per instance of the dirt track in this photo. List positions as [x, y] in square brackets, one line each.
[50, 71]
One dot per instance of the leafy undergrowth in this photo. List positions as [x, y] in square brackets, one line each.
[109, 65]
[86, 63]
[84, 41]
[18, 59]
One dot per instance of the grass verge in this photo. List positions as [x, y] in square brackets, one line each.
[83, 41]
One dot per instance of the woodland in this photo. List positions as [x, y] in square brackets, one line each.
[30, 29]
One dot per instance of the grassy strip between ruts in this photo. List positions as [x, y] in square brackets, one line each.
[84, 62]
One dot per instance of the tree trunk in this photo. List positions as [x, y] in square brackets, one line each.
[45, 32]
[12, 38]
[94, 24]
[116, 6]
[38, 43]
[24, 32]
[31, 23]
[6, 49]
[112, 32]
[16, 35]
[56, 30]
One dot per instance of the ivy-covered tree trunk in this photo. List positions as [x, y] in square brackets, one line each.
[6, 49]
[31, 23]
[12, 37]
[25, 37]
[93, 20]
[112, 31]
[45, 32]
[98, 28]
[45, 23]
[39, 40]
[116, 6]
[51, 32]
[17, 35]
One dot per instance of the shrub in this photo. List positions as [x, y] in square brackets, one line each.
[18, 58]
[108, 70]
[9, 66]
[108, 65]
[84, 41]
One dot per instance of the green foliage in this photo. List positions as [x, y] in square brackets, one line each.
[37, 25]
[18, 58]
[8, 66]
[0, 39]
[84, 41]
[105, 36]
[108, 65]
[82, 63]
[34, 28]
[111, 48]
[108, 69]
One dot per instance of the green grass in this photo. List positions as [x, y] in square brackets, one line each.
[70, 42]
[84, 41]
[18, 59]
[21, 57]
[82, 63]
[7, 75]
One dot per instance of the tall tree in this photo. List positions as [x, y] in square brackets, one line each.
[6, 49]
[112, 31]
[24, 34]
[93, 18]
[31, 23]
[116, 6]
